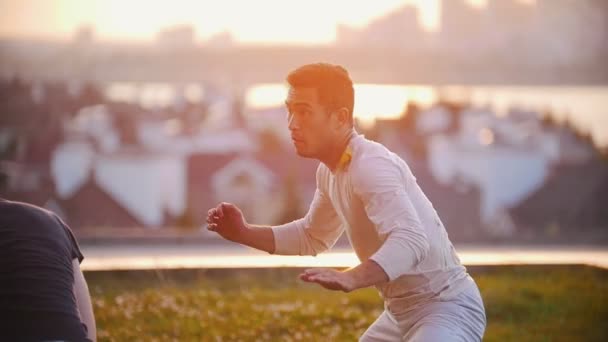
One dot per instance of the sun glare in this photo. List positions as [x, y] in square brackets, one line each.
[372, 101]
[263, 21]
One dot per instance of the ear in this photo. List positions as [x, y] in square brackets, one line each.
[341, 117]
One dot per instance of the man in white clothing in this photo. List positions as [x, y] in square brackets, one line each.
[370, 193]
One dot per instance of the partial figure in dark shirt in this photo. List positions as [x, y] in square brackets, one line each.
[43, 293]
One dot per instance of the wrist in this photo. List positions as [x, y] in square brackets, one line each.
[353, 279]
[244, 233]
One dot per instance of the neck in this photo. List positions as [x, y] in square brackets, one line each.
[335, 152]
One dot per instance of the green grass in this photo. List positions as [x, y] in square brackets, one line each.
[523, 303]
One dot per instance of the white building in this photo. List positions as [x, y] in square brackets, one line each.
[147, 185]
[504, 175]
[507, 158]
[249, 184]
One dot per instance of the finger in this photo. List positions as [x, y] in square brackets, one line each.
[220, 210]
[327, 278]
[213, 218]
[212, 227]
[226, 208]
[313, 271]
[312, 280]
[319, 275]
[319, 278]
[303, 277]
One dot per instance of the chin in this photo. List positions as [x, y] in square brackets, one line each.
[304, 154]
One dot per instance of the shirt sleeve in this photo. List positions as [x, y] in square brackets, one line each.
[75, 252]
[315, 233]
[381, 186]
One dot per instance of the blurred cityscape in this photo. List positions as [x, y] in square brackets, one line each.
[142, 139]
[537, 42]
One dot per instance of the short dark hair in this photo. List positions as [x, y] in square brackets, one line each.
[333, 84]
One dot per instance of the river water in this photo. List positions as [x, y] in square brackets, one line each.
[126, 257]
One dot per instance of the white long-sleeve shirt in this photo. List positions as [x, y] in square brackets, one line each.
[387, 219]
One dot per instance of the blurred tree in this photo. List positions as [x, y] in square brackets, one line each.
[270, 142]
[3, 182]
[9, 150]
[126, 125]
[408, 118]
[603, 153]
[291, 200]
[547, 120]
[90, 95]
[187, 220]
[419, 148]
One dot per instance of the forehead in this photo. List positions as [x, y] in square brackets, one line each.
[302, 95]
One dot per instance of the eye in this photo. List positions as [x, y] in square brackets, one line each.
[299, 113]
[303, 112]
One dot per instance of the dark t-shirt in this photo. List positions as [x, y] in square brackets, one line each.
[37, 299]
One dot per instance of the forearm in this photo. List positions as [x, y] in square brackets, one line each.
[258, 237]
[402, 251]
[368, 273]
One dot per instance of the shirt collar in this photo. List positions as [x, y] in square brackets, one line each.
[347, 154]
[345, 158]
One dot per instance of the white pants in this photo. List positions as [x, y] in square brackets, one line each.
[460, 319]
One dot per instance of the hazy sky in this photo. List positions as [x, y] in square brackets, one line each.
[311, 21]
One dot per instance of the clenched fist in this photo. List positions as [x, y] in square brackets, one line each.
[227, 220]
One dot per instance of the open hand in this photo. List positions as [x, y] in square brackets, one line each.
[329, 279]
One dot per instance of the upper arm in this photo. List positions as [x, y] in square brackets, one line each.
[321, 217]
[316, 232]
[382, 187]
[83, 300]
[322, 222]
[383, 190]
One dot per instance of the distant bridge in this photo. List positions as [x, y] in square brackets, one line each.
[246, 65]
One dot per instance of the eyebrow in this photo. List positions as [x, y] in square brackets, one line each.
[297, 104]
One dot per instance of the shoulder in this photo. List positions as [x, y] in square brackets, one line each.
[366, 150]
[26, 219]
[373, 165]
[20, 210]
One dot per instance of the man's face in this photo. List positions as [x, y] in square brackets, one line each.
[309, 122]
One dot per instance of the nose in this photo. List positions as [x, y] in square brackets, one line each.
[292, 123]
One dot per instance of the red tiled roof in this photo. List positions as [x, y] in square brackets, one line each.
[90, 206]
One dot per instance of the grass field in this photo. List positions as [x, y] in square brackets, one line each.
[523, 303]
